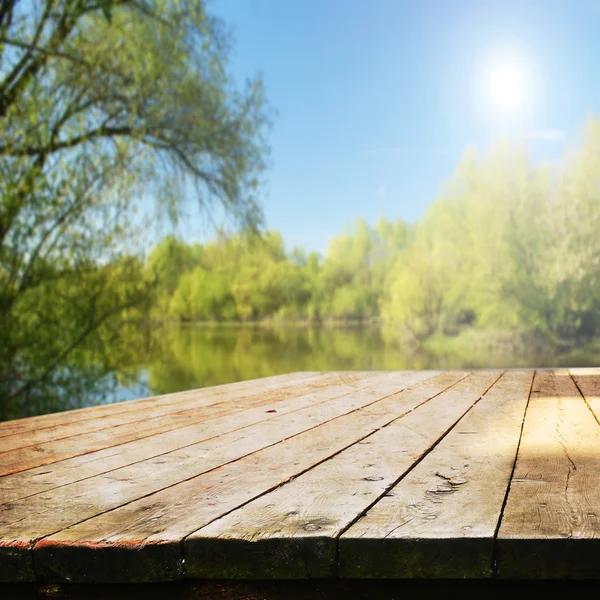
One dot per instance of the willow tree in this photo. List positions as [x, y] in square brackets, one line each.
[104, 105]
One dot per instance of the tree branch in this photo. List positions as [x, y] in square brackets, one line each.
[92, 326]
[54, 146]
[29, 47]
[32, 47]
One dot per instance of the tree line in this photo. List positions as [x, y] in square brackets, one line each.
[507, 246]
[248, 277]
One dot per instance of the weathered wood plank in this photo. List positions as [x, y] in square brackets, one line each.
[138, 418]
[291, 532]
[40, 455]
[30, 519]
[92, 412]
[588, 382]
[245, 492]
[158, 522]
[236, 389]
[440, 520]
[217, 422]
[550, 525]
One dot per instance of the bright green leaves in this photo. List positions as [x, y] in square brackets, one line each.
[508, 246]
[101, 105]
[246, 277]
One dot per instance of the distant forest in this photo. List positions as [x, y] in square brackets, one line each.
[508, 245]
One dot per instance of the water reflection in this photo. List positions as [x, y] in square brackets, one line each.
[173, 358]
[192, 357]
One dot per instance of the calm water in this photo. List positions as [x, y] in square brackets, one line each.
[171, 359]
[193, 357]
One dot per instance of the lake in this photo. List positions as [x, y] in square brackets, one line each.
[174, 358]
[192, 357]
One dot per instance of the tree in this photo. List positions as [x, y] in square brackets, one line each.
[458, 259]
[356, 266]
[97, 114]
[168, 262]
[556, 248]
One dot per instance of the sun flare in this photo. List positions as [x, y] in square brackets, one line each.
[507, 88]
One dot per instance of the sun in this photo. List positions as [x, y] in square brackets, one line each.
[507, 88]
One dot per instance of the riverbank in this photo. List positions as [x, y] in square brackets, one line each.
[517, 343]
[514, 348]
[271, 323]
[160, 359]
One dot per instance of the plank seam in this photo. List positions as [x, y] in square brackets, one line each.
[133, 423]
[265, 419]
[300, 473]
[18, 422]
[504, 503]
[219, 399]
[37, 540]
[584, 398]
[242, 382]
[407, 472]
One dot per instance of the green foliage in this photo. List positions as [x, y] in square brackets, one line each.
[247, 277]
[200, 296]
[507, 247]
[101, 105]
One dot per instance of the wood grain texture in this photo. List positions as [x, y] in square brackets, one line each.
[167, 407]
[291, 532]
[588, 383]
[34, 481]
[28, 424]
[33, 518]
[440, 520]
[41, 455]
[550, 524]
[313, 475]
[161, 520]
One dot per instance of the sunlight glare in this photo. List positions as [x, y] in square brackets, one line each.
[507, 88]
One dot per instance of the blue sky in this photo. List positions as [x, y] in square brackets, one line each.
[377, 100]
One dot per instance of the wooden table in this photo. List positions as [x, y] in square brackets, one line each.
[404, 474]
